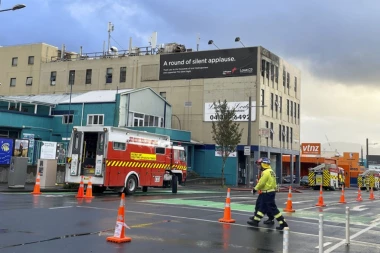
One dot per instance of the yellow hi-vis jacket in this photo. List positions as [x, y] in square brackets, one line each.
[267, 181]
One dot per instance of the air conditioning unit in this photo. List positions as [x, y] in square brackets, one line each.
[52, 82]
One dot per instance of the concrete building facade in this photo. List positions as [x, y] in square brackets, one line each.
[190, 82]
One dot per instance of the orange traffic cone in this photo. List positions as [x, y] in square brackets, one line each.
[89, 190]
[119, 234]
[227, 210]
[37, 185]
[359, 198]
[81, 189]
[289, 203]
[320, 200]
[342, 199]
[371, 195]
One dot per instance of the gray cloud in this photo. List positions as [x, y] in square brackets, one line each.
[339, 37]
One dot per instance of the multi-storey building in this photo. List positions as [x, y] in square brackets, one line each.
[190, 82]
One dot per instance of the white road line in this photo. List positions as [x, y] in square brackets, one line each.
[60, 207]
[324, 245]
[233, 224]
[352, 237]
[245, 213]
[336, 204]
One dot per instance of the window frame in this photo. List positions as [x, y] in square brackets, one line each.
[109, 75]
[14, 59]
[53, 76]
[160, 148]
[93, 117]
[119, 149]
[30, 60]
[71, 79]
[67, 116]
[123, 75]
[10, 81]
[26, 81]
[88, 76]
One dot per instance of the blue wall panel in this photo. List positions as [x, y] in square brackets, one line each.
[206, 164]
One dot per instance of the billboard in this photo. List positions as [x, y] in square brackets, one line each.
[241, 111]
[311, 148]
[21, 148]
[48, 150]
[6, 150]
[209, 64]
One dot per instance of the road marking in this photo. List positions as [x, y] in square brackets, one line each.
[297, 202]
[213, 221]
[329, 208]
[60, 207]
[324, 245]
[359, 208]
[333, 204]
[352, 237]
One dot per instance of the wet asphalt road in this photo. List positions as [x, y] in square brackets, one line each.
[185, 222]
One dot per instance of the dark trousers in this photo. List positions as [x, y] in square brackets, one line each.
[268, 206]
[259, 203]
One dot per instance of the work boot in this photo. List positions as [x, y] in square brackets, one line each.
[252, 217]
[269, 222]
[254, 223]
[282, 226]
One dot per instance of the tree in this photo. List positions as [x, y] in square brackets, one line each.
[225, 132]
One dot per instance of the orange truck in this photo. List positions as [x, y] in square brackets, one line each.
[123, 159]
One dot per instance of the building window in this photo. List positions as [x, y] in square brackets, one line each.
[287, 80]
[95, 119]
[271, 101]
[287, 107]
[291, 135]
[160, 150]
[29, 81]
[283, 133]
[109, 75]
[71, 77]
[272, 72]
[280, 104]
[262, 96]
[283, 77]
[262, 68]
[287, 134]
[138, 119]
[119, 146]
[88, 76]
[14, 61]
[123, 74]
[279, 132]
[67, 119]
[53, 77]
[276, 74]
[271, 130]
[298, 111]
[30, 60]
[276, 102]
[295, 84]
[13, 82]
[163, 94]
[291, 108]
[267, 69]
[295, 110]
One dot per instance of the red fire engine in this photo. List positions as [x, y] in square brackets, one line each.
[123, 159]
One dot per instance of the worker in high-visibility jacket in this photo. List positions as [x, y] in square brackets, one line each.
[267, 184]
[367, 183]
[259, 201]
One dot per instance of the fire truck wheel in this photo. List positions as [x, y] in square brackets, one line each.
[145, 188]
[174, 183]
[131, 185]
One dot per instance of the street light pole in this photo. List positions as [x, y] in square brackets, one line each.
[14, 8]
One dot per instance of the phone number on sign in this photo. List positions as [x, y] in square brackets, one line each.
[236, 117]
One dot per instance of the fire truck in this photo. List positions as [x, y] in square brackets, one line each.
[373, 175]
[123, 159]
[328, 175]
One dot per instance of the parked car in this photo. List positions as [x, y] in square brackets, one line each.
[304, 181]
[286, 179]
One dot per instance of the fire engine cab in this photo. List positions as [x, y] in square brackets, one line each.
[370, 177]
[328, 175]
[123, 159]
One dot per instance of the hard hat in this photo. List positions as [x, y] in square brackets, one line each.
[263, 160]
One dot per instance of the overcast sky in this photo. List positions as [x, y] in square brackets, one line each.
[336, 44]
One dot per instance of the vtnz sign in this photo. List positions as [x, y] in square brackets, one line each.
[311, 148]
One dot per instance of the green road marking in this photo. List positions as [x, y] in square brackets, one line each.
[42, 193]
[178, 193]
[332, 217]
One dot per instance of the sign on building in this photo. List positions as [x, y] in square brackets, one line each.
[6, 150]
[48, 150]
[241, 111]
[311, 148]
[209, 64]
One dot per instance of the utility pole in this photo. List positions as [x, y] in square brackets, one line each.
[248, 157]
[366, 152]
